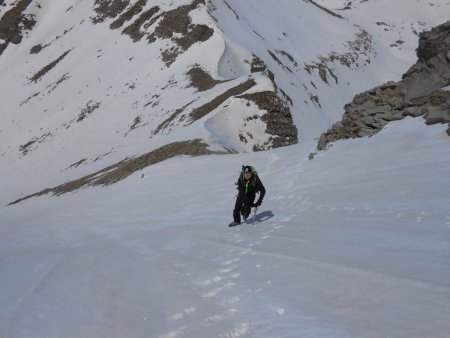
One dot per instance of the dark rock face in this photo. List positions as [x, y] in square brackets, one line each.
[36, 77]
[201, 79]
[175, 25]
[419, 93]
[13, 23]
[106, 9]
[278, 119]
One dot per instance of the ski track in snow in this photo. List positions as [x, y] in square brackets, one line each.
[229, 271]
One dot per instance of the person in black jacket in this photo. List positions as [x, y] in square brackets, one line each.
[248, 185]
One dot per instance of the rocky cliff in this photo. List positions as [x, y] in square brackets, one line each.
[421, 92]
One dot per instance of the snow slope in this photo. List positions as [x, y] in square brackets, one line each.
[355, 243]
[322, 57]
[112, 94]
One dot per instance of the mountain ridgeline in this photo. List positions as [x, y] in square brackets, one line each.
[93, 91]
[421, 92]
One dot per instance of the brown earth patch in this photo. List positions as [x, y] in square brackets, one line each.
[48, 67]
[77, 164]
[174, 21]
[277, 60]
[360, 46]
[201, 79]
[278, 119]
[90, 107]
[53, 86]
[107, 9]
[134, 30]
[178, 21]
[14, 22]
[257, 65]
[125, 168]
[33, 143]
[29, 98]
[171, 118]
[136, 123]
[199, 112]
[175, 24]
[39, 47]
[128, 14]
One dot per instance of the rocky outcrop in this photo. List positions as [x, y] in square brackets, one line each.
[278, 120]
[13, 23]
[421, 92]
[175, 25]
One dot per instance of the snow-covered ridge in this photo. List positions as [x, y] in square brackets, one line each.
[91, 84]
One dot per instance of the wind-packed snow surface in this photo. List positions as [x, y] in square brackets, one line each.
[354, 243]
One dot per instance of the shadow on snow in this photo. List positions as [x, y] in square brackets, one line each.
[260, 217]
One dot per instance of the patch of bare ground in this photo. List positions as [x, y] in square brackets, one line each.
[257, 65]
[128, 14]
[199, 112]
[136, 122]
[288, 56]
[53, 86]
[278, 119]
[360, 46]
[277, 60]
[48, 67]
[33, 143]
[134, 30]
[13, 23]
[125, 168]
[166, 123]
[36, 49]
[325, 9]
[28, 99]
[177, 22]
[108, 9]
[77, 164]
[153, 101]
[135, 125]
[201, 79]
[90, 107]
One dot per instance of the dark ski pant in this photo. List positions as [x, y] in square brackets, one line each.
[241, 207]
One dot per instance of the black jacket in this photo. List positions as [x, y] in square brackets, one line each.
[247, 189]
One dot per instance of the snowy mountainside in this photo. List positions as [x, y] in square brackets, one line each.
[422, 91]
[355, 243]
[321, 56]
[86, 85]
